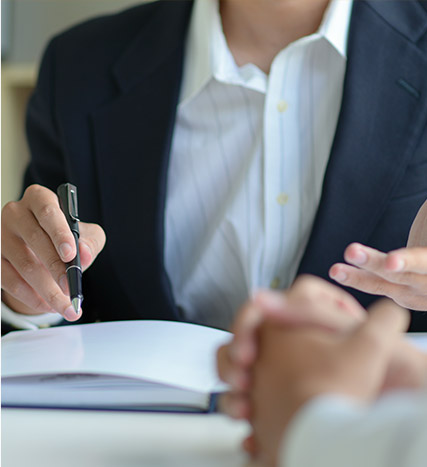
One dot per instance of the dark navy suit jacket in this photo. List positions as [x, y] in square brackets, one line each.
[102, 117]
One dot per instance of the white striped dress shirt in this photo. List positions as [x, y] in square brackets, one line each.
[247, 163]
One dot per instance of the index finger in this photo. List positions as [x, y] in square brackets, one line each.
[243, 347]
[44, 205]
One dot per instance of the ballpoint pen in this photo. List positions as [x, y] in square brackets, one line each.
[67, 194]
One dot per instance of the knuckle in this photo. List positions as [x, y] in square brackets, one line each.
[27, 266]
[62, 235]
[10, 209]
[378, 288]
[306, 283]
[14, 288]
[33, 191]
[34, 236]
[55, 265]
[47, 210]
[39, 305]
[53, 298]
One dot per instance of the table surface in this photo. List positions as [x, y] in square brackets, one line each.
[63, 438]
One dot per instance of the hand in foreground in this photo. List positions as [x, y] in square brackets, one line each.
[309, 302]
[400, 274]
[296, 365]
[36, 242]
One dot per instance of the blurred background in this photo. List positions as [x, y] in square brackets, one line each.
[26, 26]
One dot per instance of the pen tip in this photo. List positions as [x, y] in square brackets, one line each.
[77, 303]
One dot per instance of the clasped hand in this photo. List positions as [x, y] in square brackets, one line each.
[312, 339]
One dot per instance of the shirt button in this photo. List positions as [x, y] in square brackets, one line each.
[282, 199]
[274, 284]
[282, 106]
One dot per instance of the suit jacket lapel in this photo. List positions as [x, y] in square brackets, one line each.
[132, 142]
[383, 111]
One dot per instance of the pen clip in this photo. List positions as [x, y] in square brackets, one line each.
[72, 202]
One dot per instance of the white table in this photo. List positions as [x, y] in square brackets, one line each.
[62, 438]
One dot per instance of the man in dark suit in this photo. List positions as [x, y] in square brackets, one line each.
[104, 117]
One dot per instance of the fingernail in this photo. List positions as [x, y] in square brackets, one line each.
[65, 250]
[340, 276]
[63, 284]
[70, 314]
[360, 258]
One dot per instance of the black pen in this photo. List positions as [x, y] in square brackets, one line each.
[67, 194]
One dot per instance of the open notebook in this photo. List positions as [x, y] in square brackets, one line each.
[127, 365]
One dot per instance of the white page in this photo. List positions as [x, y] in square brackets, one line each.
[77, 390]
[178, 354]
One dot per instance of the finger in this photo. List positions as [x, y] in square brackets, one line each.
[243, 348]
[407, 260]
[44, 205]
[39, 242]
[390, 266]
[250, 446]
[324, 306]
[235, 405]
[13, 284]
[309, 292]
[418, 234]
[373, 343]
[372, 283]
[33, 272]
[92, 241]
[318, 290]
[230, 372]
[365, 257]
[224, 363]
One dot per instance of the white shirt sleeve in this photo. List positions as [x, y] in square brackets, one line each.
[333, 431]
[29, 322]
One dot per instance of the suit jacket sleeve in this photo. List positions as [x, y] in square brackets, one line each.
[332, 431]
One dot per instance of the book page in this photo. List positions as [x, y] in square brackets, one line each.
[173, 353]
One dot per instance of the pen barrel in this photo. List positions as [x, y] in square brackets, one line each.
[74, 273]
[74, 276]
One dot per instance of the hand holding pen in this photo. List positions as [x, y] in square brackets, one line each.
[36, 244]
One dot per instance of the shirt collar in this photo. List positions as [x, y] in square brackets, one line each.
[336, 24]
[207, 53]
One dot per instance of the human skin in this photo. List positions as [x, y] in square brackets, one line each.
[400, 275]
[36, 242]
[315, 362]
[310, 303]
[257, 30]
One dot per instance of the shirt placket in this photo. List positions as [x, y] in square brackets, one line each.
[281, 170]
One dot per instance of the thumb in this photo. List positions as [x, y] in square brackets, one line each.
[371, 345]
[92, 241]
[418, 233]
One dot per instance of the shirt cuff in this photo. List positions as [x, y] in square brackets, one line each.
[29, 322]
[334, 430]
[313, 425]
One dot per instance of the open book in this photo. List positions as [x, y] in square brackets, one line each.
[127, 365]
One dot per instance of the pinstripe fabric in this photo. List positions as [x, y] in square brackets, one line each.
[247, 163]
